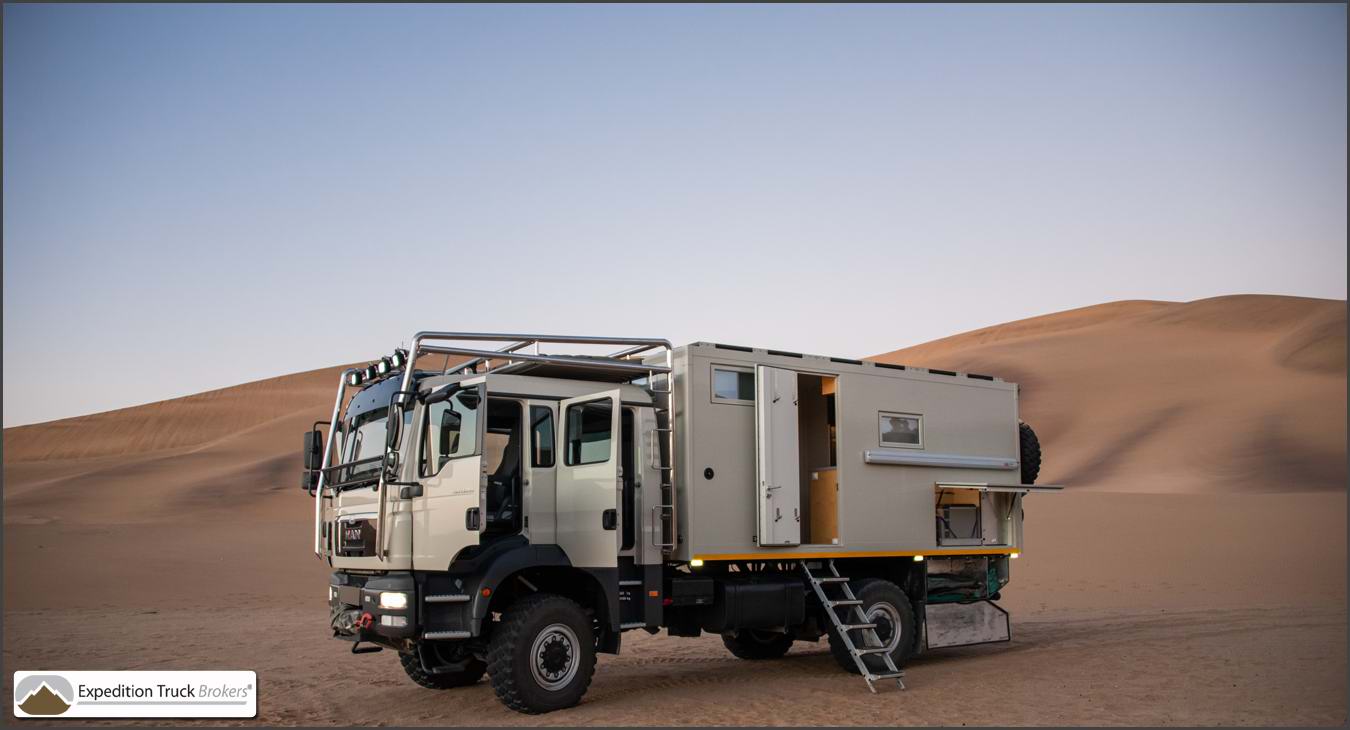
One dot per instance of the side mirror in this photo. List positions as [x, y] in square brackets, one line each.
[313, 458]
[313, 449]
[392, 424]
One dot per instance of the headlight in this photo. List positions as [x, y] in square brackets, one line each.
[394, 600]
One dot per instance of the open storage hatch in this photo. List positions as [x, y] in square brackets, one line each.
[978, 514]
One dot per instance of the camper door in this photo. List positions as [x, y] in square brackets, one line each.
[778, 469]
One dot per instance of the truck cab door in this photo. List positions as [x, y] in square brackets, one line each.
[589, 484]
[449, 512]
[778, 470]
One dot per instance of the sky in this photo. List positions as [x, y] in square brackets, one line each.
[198, 196]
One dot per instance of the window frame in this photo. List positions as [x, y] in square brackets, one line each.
[567, 439]
[712, 384]
[881, 441]
[534, 437]
[480, 422]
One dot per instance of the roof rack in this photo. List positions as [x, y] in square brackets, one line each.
[620, 363]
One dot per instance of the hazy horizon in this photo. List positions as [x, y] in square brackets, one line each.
[200, 196]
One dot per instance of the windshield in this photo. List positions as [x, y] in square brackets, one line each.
[363, 440]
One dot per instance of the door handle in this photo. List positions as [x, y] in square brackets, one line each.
[609, 519]
[471, 519]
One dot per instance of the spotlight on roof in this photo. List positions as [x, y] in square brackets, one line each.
[355, 378]
[371, 372]
[399, 359]
[384, 366]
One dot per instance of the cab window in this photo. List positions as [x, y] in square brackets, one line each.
[450, 430]
[589, 432]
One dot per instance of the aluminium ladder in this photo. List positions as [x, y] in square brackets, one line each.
[861, 625]
[663, 456]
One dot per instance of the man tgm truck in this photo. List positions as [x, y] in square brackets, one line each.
[517, 509]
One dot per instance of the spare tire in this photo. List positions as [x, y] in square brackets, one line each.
[1031, 453]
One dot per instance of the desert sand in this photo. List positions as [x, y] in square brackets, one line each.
[1193, 573]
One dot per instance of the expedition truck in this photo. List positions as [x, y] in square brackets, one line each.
[514, 512]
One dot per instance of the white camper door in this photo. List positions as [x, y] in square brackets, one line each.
[588, 480]
[778, 468]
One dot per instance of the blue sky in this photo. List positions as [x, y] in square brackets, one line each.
[197, 196]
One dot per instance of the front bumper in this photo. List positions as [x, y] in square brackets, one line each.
[355, 612]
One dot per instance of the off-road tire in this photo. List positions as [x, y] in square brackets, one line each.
[872, 591]
[448, 680]
[509, 659]
[1031, 453]
[752, 644]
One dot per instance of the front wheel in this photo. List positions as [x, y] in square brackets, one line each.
[883, 604]
[542, 655]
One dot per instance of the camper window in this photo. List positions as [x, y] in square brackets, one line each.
[734, 386]
[589, 432]
[902, 430]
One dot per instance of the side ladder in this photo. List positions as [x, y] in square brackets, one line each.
[858, 623]
[663, 455]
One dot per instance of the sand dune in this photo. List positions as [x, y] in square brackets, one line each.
[1240, 393]
[1195, 575]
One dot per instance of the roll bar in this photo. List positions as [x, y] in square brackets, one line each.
[327, 457]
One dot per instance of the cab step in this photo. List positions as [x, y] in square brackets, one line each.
[448, 598]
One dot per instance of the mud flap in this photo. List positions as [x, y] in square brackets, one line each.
[965, 624]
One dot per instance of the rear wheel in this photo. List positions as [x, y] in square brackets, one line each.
[884, 604]
[447, 668]
[756, 644]
[542, 655]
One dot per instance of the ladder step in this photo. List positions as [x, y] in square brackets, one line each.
[871, 650]
[630, 582]
[851, 602]
[856, 627]
[832, 579]
[887, 675]
[633, 625]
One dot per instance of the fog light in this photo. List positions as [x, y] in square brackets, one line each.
[394, 600]
[918, 558]
[1014, 555]
[395, 621]
[332, 593]
[696, 563]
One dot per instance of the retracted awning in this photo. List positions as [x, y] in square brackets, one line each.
[987, 487]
